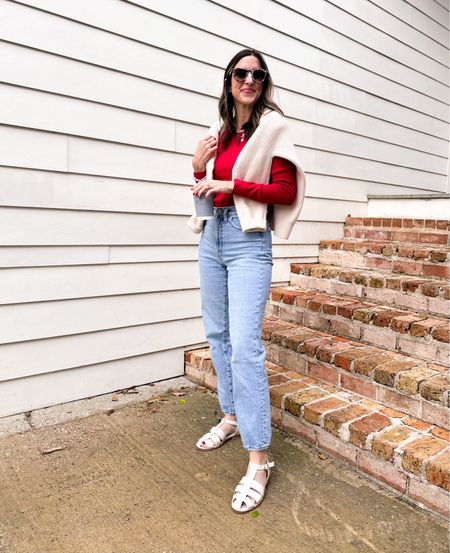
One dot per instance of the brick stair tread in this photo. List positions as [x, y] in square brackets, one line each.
[398, 222]
[430, 287]
[307, 405]
[406, 250]
[403, 321]
[369, 370]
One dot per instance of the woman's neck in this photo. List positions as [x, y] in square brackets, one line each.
[243, 114]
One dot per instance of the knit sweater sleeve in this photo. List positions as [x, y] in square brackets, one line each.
[281, 190]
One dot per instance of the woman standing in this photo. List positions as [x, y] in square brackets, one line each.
[248, 162]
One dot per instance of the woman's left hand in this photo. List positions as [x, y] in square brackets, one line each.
[213, 187]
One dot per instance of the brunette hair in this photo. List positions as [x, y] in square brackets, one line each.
[226, 102]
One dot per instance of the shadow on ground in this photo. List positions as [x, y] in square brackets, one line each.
[132, 482]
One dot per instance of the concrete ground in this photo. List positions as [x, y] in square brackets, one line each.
[129, 480]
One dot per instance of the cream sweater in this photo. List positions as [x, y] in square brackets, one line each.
[271, 139]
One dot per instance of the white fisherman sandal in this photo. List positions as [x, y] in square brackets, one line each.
[216, 436]
[249, 493]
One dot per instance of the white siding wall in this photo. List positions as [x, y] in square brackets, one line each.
[101, 105]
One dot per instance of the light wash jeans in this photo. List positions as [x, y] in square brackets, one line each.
[235, 276]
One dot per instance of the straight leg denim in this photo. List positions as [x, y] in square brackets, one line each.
[235, 276]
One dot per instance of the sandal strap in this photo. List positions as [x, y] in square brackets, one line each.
[228, 421]
[262, 467]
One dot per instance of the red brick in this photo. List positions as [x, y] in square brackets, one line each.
[443, 224]
[438, 470]
[322, 372]
[365, 365]
[410, 268]
[416, 423]
[303, 297]
[438, 256]
[295, 402]
[313, 411]
[310, 346]
[365, 314]
[440, 271]
[379, 234]
[292, 339]
[402, 236]
[409, 381]
[419, 450]
[316, 303]
[271, 326]
[430, 289]
[383, 444]
[433, 497]
[403, 322]
[276, 294]
[442, 333]
[430, 223]
[277, 379]
[418, 223]
[441, 433]
[280, 336]
[338, 448]
[358, 385]
[384, 317]
[433, 388]
[405, 251]
[412, 285]
[432, 238]
[362, 428]
[382, 471]
[379, 263]
[347, 310]
[407, 223]
[393, 413]
[278, 392]
[289, 296]
[387, 372]
[422, 328]
[370, 247]
[333, 421]
[327, 352]
[421, 253]
[344, 359]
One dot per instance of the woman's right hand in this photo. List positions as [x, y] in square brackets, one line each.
[205, 150]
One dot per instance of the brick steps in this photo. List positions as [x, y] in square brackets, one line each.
[430, 295]
[404, 331]
[420, 231]
[410, 384]
[405, 453]
[356, 351]
[410, 259]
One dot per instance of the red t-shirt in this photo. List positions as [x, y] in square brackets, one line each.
[283, 180]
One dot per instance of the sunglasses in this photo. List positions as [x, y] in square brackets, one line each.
[258, 75]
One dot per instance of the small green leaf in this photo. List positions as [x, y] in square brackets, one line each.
[182, 401]
[254, 514]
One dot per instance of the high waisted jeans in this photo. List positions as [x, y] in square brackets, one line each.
[235, 275]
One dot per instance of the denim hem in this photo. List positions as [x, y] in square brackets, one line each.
[256, 448]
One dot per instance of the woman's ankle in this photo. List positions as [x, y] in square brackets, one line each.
[259, 457]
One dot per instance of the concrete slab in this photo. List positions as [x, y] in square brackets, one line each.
[132, 481]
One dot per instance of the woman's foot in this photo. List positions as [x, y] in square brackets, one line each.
[219, 434]
[250, 491]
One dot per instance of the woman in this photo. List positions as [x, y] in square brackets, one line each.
[248, 162]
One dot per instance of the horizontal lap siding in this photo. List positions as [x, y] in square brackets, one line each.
[101, 105]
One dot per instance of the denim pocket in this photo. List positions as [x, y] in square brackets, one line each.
[235, 222]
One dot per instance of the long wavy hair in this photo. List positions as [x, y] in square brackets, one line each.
[226, 102]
